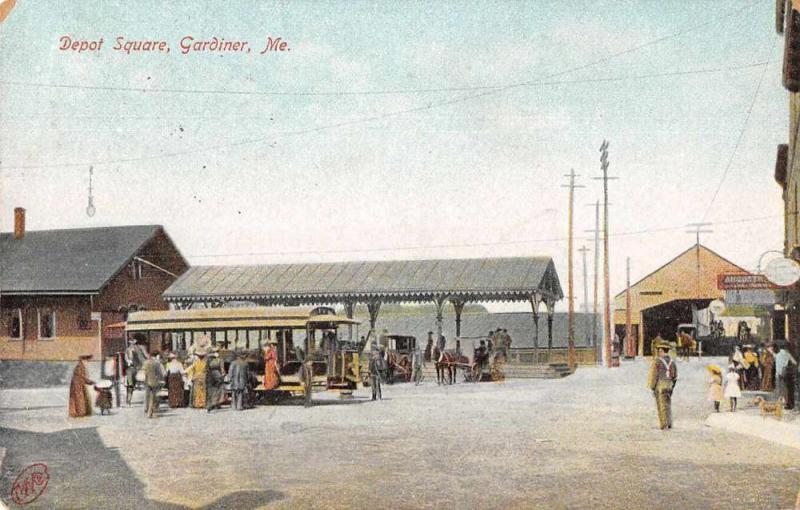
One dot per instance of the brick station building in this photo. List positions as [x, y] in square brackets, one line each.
[59, 289]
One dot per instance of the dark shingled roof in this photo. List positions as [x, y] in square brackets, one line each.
[487, 279]
[68, 260]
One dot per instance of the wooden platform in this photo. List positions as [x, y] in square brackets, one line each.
[516, 371]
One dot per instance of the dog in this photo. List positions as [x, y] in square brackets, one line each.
[766, 408]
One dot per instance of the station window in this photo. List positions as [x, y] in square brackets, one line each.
[84, 320]
[136, 270]
[47, 323]
[15, 324]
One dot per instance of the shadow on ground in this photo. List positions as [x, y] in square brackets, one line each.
[86, 474]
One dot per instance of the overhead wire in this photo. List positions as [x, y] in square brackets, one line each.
[471, 245]
[739, 139]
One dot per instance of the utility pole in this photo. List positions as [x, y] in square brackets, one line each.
[571, 279]
[697, 229]
[631, 346]
[583, 250]
[607, 323]
[596, 300]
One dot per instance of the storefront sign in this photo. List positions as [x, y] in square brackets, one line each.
[743, 281]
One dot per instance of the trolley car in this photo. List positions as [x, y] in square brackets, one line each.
[311, 354]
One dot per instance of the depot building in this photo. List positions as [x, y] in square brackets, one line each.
[676, 292]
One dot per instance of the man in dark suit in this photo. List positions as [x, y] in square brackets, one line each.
[240, 376]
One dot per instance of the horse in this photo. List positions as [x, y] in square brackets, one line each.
[686, 345]
[449, 360]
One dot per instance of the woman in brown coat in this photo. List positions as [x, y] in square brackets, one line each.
[767, 369]
[80, 404]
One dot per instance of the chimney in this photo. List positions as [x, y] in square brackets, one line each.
[19, 223]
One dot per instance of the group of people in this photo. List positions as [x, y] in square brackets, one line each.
[496, 340]
[773, 369]
[199, 381]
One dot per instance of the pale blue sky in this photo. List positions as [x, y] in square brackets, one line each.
[268, 174]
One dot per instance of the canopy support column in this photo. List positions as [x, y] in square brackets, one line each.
[550, 310]
[439, 302]
[373, 307]
[458, 307]
[349, 308]
[534, 300]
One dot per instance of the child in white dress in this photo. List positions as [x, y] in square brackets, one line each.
[732, 390]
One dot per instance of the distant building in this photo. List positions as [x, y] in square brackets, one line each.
[59, 289]
[667, 296]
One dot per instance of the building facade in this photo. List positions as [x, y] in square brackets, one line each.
[668, 296]
[787, 165]
[60, 289]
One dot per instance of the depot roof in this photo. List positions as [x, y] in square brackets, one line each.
[78, 260]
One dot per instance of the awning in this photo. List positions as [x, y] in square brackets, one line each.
[212, 324]
[334, 319]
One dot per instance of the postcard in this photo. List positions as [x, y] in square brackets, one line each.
[405, 255]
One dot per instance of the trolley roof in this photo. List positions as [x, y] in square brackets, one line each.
[260, 317]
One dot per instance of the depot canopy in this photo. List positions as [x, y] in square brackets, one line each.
[486, 279]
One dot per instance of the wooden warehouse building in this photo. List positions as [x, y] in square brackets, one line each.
[665, 298]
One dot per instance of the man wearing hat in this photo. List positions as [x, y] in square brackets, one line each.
[429, 347]
[239, 376]
[153, 378]
[661, 380]
[376, 367]
[134, 359]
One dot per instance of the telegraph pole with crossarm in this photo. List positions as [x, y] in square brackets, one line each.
[607, 322]
[570, 287]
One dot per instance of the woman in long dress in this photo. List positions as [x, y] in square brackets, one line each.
[80, 404]
[767, 369]
[175, 378]
[197, 374]
[215, 382]
[739, 365]
[753, 382]
[271, 374]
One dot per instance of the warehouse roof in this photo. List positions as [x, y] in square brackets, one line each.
[489, 279]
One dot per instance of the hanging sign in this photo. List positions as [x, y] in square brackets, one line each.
[716, 307]
[782, 272]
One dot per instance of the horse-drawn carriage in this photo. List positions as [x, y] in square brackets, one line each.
[485, 365]
[399, 352]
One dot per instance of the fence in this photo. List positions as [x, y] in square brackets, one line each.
[526, 355]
